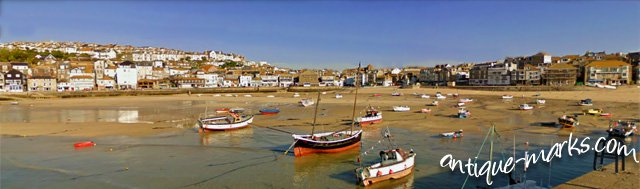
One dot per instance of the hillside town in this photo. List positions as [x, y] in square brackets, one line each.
[77, 66]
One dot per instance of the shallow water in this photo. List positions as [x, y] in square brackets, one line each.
[247, 158]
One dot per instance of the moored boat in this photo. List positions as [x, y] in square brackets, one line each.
[222, 110]
[327, 142]
[14, 103]
[269, 111]
[338, 96]
[425, 96]
[221, 123]
[541, 101]
[455, 134]
[307, 102]
[376, 95]
[394, 164]
[434, 103]
[425, 110]
[460, 104]
[568, 121]
[593, 111]
[621, 129]
[396, 94]
[463, 113]
[525, 107]
[401, 108]
[586, 102]
[372, 116]
[296, 95]
[507, 97]
[466, 100]
[440, 96]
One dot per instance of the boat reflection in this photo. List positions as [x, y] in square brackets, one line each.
[231, 137]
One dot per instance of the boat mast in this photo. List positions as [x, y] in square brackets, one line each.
[315, 115]
[355, 101]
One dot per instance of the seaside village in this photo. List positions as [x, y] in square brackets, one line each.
[76, 66]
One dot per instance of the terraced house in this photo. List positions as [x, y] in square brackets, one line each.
[608, 72]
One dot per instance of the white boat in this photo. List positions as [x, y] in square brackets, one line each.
[271, 96]
[434, 103]
[439, 96]
[541, 101]
[247, 95]
[221, 123]
[372, 116]
[396, 94]
[525, 107]
[338, 96]
[425, 96]
[216, 95]
[449, 94]
[507, 97]
[236, 110]
[455, 134]
[307, 102]
[394, 164]
[425, 110]
[228, 95]
[401, 108]
[296, 95]
[586, 102]
[14, 103]
[460, 104]
[465, 100]
[324, 92]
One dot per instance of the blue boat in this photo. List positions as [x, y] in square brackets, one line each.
[269, 111]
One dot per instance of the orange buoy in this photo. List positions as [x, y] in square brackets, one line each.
[84, 144]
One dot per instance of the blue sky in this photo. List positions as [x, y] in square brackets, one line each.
[336, 34]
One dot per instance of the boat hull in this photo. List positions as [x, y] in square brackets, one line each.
[225, 127]
[371, 175]
[269, 113]
[304, 146]
[369, 120]
[397, 175]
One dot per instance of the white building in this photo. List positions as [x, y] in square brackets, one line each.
[104, 54]
[270, 80]
[126, 75]
[500, 74]
[210, 79]
[81, 82]
[145, 70]
[244, 81]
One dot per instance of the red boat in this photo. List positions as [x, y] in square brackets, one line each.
[84, 144]
[376, 95]
[222, 110]
[269, 111]
[373, 116]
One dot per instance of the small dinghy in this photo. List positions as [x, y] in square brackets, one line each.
[466, 100]
[307, 102]
[236, 110]
[439, 96]
[271, 96]
[269, 111]
[222, 110]
[296, 95]
[221, 123]
[586, 102]
[425, 96]
[228, 95]
[376, 95]
[216, 95]
[434, 103]
[541, 101]
[568, 121]
[396, 94]
[401, 108]
[525, 107]
[621, 129]
[449, 94]
[247, 95]
[460, 104]
[455, 134]
[14, 103]
[324, 92]
[463, 113]
[455, 95]
[594, 111]
[507, 97]
[425, 110]
[338, 96]
[606, 115]
[84, 144]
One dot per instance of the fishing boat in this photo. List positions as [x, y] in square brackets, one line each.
[401, 108]
[222, 110]
[296, 95]
[540, 101]
[14, 103]
[465, 100]
[455, 134]
[396, 94]
[568, 121]
[525, 107]
[372, 116]
[269, 111]
[324, 93]
[440, 96]
[460, 104]
[425, 96]
[606, 115]
[507, 97]
[393, 164]
[593, 111]
[216, 95]
[425, 110]
[270, 96]
[621, 129]
[222, 123]
[306, 102]
[455, 95]
[434, 103]
[463, 113]
[228, 95]
[328, 142]
[248, 95]
[586, 102]
[338, 96]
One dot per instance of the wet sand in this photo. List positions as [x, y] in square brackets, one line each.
[150, 117]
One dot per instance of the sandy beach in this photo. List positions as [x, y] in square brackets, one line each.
[143, 116]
